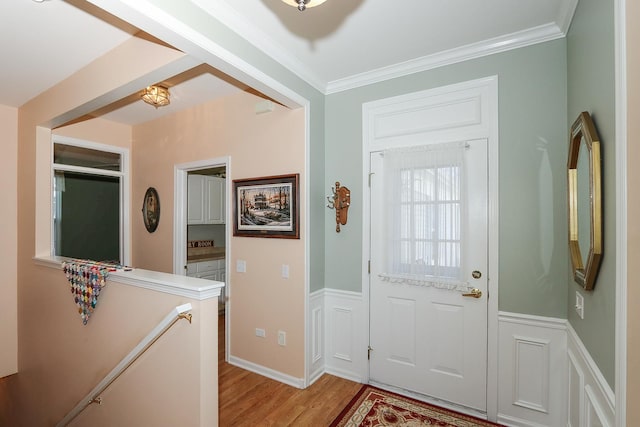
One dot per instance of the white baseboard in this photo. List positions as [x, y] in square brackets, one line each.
[532, 380]
[591, 401]
[267, 372]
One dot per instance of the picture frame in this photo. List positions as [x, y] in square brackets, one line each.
[151, 209]
[267, 207]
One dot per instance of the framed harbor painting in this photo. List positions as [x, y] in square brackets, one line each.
[267, 207]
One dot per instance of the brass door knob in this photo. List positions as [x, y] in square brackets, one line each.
[475, 293]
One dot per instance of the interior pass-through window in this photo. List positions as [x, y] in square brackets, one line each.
[88, 183]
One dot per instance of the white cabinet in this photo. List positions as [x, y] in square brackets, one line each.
[205, 200]
[211, 270]
[214, 200]
[195, 199]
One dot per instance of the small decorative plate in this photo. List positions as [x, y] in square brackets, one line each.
[151, 209]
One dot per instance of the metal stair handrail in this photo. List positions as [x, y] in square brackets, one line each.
[180, 312]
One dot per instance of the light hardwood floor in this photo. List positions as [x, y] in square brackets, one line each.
[248, 399]
[7, 405]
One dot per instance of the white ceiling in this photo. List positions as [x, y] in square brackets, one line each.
[337, 45]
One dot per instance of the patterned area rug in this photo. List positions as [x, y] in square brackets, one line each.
[374, 407]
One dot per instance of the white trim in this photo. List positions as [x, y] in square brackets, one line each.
[258, 38]
[621, 213]
[344, 295]
[267, 372]
[593, 385]
[518, 422]
[180, 173]
[532, 320]
[307, 239]
[532, 370]
[346, 345]
[480, 49]
[593, 370]
[180, 208]
[189, 287]
[317, 336]
[125, 186]
[154, 19]
[565, 15]
[487, 89]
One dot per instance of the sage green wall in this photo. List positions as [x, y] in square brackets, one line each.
[533, 148]
[591, 87]
[212, 28]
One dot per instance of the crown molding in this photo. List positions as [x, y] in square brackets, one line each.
[487, 47]
[565, 15]
[229, 17]
[261, 40]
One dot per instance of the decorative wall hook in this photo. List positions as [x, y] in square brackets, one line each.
[340, 201]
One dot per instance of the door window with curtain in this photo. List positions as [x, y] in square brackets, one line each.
[423, 196]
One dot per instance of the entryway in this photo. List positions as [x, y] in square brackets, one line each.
[201, 229]
[432, 244]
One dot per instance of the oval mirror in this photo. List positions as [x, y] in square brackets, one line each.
[585, 211]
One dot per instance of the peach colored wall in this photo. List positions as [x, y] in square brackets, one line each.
[259, 145]
[98, 130]
[633, 212]
[59, 358]
[69, 358]
[8, 242]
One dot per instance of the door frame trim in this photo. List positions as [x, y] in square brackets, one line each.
[180, 172]
[485, 91]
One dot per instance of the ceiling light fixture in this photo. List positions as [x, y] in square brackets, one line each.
[158, 96]
[303, 4]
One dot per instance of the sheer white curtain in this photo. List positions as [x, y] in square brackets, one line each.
[424, 196]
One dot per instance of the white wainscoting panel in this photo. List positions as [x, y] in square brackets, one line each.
[591, 399]
[317, 338]
[345, 336]
[532, 370]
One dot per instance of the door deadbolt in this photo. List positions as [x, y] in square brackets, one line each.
[476, 274]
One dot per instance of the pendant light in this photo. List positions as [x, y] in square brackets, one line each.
[303, 4]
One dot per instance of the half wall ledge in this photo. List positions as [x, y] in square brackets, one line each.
[190, 287]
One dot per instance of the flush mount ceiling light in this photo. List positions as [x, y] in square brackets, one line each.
[158, 96]
[303, 4]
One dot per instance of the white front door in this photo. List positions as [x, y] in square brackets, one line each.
[426, 336]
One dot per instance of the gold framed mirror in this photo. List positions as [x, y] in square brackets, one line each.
[585, 204]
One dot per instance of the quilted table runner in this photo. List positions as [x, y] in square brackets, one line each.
[87, 278]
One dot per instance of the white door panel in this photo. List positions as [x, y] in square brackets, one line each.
[425, 339]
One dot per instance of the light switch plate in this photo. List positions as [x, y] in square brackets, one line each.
[241, 266]
[285, 271]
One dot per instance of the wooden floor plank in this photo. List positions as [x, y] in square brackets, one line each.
[249, 399]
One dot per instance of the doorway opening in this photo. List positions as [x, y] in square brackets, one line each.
[201, 228]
